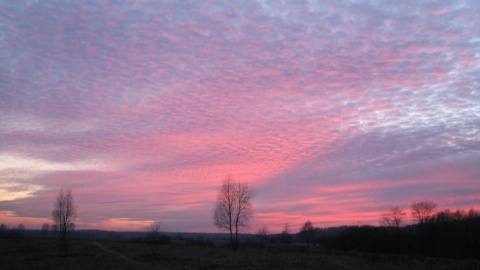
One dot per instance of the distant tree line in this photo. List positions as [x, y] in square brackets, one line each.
[19, 231]
[14, 232]
[451, 234]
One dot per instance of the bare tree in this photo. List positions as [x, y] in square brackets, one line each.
[64, 213]
[233, 209]
[394, 218]
[153, 236]
[285, 237]
[307, 232]
[262, 236]
[422, 211]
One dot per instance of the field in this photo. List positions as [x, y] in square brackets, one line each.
[39, 253]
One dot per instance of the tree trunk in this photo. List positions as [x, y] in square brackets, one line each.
[231, 239]
[236, 237]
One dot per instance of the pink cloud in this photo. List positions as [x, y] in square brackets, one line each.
[334, 111]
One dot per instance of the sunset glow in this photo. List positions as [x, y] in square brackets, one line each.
[335, 111]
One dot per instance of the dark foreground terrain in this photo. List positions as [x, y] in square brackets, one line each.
[43, 253]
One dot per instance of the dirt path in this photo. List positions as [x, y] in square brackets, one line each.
[133, 263]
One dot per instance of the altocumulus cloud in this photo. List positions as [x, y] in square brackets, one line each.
[335, 111]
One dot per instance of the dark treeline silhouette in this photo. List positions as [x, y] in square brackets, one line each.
[448, 234]
[444, 234]
[14, 232]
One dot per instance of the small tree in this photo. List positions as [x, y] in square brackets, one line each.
[262, 236]
[3, 230]
[285, 237]
[307, 232]
[64, 213]
[45, 229]
[233, 209]
[393, 219]
[153, 237]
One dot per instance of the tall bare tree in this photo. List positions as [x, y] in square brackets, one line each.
[233, 209]
[422, 211]
[63, 214]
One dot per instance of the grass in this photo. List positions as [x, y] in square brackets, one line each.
[31, 253]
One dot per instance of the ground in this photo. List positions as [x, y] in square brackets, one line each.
[32, 253]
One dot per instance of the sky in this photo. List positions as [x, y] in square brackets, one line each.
[334, 111]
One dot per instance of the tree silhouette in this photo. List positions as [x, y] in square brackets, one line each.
[20, 230]
[394, 219]
[307, 232]
[233, 208]
[64, 213]
[285, 237]
[262, 236]
[422, 211]
[3, 230]
[153, 237]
